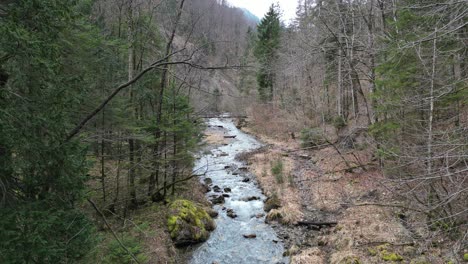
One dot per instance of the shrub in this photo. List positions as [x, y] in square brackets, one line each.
[271, 203]
[116, 254]
[339, 122]
[277, 170]
[312, 137]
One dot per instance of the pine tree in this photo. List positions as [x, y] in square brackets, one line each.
[266, 51]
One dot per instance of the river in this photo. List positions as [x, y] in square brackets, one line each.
[227, 244]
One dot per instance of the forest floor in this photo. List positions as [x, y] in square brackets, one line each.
[315, 185]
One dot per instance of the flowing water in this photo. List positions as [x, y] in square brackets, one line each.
[227, 243]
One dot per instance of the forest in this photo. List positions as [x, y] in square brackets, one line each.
[138, 131]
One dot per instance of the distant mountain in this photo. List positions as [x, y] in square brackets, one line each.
[250, 15]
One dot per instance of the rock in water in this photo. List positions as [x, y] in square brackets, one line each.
[250, 235]
[231, 213]
[251, 198]
[208, 181]
[212, 213]
[188, 223]
[218, 199]
[216, 188]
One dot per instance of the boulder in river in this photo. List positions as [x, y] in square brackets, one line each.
[212, 213]
[231, 213]
[227, 189]
[208, 181]
[216, 188]
[188, 223]
[250, 198]
[218, 199]
[250, 235]
[245, 180]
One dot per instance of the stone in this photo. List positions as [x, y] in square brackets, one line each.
[208, 181]
[245, 180]
[188, 223]
[212, 213]
[226, 195]
[227, 189]
[231, 213]
[250, 235]
[260, 215]
[217, 199]
[216, 188]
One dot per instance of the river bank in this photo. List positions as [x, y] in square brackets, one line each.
[314, 186]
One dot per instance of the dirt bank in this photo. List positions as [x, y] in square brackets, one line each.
[328, 185]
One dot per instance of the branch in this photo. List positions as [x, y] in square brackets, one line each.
[156, 65]
[112, 231]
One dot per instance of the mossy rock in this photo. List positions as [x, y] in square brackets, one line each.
[465, 257]
[188, 223]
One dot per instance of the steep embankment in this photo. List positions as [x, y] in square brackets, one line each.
[334, 205]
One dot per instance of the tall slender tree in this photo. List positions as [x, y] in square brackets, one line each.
[266, 51]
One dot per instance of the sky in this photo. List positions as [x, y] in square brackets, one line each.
[260, 7]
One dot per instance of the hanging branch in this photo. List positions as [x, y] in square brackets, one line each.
[156, 65]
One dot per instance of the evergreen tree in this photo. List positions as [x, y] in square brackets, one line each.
[266, 51]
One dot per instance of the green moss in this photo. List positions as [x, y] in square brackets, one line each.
[188, 222]
[172, 225]
[382, 247]
[391, 256]
[465, 257]
[372, 251]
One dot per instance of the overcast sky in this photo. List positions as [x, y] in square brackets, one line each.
[260, 7]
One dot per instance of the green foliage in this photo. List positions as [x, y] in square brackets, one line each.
[339, 122]
[36, 233]
[55, 60]
[277, 170]
[117, 254]
[391, 256]
[311, 137]
[266, 47]
[384, 130]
